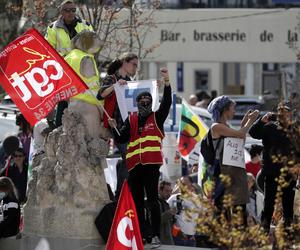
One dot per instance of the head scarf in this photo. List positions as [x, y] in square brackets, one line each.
[144, 109]
[217, 106]
[143, 95]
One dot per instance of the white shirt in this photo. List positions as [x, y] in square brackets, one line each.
[38, 138]
[186, 223]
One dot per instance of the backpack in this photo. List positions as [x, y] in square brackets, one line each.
[207, 148]
[104, 220]
[211, 182]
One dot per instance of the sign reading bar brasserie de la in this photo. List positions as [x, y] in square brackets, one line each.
[228, 35]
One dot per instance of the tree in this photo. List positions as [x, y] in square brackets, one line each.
[121, 25]
[9, 18]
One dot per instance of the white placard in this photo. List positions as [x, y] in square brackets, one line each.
[126, 95]
[233, 153]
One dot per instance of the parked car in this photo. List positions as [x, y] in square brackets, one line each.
[8, 121]
[7, 101]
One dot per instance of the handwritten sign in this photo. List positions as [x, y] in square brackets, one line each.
[233, 153]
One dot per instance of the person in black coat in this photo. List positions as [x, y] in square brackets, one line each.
[18, 173]
[276, 145]
[9, 209]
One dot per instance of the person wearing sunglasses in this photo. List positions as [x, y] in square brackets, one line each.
[18, 173]
[59, 35]
[60, 32]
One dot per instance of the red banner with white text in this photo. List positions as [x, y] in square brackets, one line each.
[36, 77]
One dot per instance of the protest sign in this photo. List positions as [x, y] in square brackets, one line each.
[233, 154]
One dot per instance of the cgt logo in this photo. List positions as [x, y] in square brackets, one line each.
[38, 79]
[124, 223]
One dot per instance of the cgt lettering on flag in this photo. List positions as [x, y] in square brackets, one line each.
[39, 79]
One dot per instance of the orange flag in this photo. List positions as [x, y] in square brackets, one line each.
[125, 231]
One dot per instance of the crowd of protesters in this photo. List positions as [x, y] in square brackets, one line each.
[139, 141]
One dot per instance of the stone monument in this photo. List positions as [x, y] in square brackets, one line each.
[67, 190]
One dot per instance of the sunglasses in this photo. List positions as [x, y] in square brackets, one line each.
[68, 10]
[16, 156]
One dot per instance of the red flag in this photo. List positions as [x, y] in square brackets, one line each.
[35, 76]
[125, 231]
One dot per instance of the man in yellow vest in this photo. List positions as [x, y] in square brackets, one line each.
[59, 35]
[143, 132]
[81, 59]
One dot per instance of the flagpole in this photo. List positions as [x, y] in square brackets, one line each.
[100, 106]
[174, 111]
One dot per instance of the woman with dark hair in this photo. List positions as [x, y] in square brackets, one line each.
[119, 71]
[222, 109]
[25, 133]
[18, 173]
[9, 209]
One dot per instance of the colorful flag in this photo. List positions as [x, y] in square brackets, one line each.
[192, 129]
[125, 231]
[36, 77]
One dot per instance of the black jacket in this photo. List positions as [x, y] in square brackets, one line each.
[275, 142]
[9, 226]
[19, 179]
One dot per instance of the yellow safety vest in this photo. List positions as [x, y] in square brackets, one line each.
[74, 59]
[59, 38]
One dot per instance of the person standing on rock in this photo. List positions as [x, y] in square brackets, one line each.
[81, 58]
[59, 35]
[143, 132]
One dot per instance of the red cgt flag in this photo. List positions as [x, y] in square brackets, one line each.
[35, 76]
[125, 231]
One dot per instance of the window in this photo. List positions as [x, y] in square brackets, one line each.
[201, 80]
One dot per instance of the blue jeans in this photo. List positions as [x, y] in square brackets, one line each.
[188, 241]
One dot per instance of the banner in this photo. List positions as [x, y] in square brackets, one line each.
[126, 95]
[191, 130]
[36, 77]
[125, 231]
